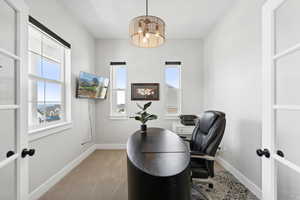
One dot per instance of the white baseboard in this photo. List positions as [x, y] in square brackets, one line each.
[241, 177]
[42, 189]
[110, 146]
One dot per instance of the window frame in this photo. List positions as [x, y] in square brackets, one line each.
[46, 129]
[173, 115]
[114, 115]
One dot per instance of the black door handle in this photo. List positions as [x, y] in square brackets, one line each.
[259, 152]
[29, 152]
[9, 154]
[280, 153]
[264, 152]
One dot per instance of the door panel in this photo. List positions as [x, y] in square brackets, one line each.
[8, 138]
[288, 182]
[7, 80]
[287, 25]
[13, 70]
[281, 100]
[8, 182]
[288, 134]
[287, 79]
[7, 23]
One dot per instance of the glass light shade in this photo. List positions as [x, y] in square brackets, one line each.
[147, 31]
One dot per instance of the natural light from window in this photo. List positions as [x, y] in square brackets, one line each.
[46, 80]
[119, 89]
[172, 89]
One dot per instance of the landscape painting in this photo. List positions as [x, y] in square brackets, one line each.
[145, 91]
[92, 86]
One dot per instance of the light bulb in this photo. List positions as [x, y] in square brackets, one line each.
[140, 30]
[147, 35]
[157, 30]
[145, 40]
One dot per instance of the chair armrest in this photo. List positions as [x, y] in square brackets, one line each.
[185, 139]
[195, 154]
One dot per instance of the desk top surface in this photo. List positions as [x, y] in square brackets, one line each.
[159, 152]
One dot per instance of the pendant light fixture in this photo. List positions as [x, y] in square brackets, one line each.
[147, 31]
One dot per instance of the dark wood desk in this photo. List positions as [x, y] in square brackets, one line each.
[158, 166]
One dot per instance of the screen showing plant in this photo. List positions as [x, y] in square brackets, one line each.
[92, 86]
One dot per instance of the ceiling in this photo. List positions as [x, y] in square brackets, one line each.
[185, 19]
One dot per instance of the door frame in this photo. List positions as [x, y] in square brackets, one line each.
[21, 65]
[269, 107]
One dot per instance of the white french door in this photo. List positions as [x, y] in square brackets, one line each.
[13, 123]
[281, 100]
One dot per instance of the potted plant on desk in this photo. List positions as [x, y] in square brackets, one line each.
[143, 116]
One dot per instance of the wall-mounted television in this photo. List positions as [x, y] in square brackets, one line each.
[92, 86]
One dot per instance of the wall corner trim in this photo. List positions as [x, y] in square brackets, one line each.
[241, 177]
[42, 189]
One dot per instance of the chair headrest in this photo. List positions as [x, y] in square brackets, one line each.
[207, 119]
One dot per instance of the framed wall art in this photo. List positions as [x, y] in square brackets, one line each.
[145, 91]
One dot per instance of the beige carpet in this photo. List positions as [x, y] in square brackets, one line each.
[102, 176]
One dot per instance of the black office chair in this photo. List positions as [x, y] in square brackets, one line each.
[204, 144]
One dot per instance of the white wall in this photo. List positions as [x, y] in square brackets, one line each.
[147, 65]
[233, 76]
[56, 151]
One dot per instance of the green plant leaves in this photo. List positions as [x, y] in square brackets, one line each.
[151, 117]
[142, 115]
[138, 118]
[147, 105]
[141, 107]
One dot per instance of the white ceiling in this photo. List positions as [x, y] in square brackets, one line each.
[185, 19]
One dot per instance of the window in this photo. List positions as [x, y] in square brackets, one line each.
[172, 89]
[49, 81]
[118, 90]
